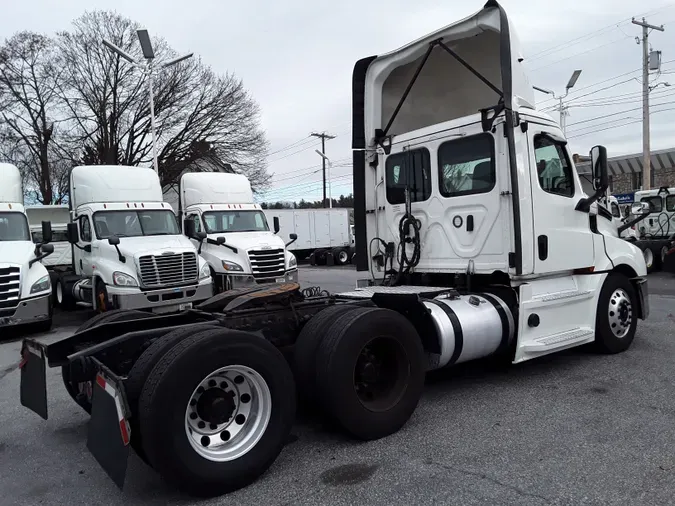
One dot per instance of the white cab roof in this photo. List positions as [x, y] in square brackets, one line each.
[114, 183]
[10, 184]
[214, 188]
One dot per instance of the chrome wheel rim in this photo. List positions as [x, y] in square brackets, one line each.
[343, 257]
[59, 293]
[664, 253]
[228, 413]
[649, 257]
[620, 313]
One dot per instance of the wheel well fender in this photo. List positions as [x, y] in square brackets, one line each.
[629, 272]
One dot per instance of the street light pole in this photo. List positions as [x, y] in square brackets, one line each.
[330, 166]
[149, 70]
[563, 110]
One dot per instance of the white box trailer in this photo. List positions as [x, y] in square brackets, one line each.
[324, 235]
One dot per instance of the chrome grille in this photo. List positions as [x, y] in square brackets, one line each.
[267, 264]
[10, 286]
[171, 269]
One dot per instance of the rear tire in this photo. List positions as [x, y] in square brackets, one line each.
[616, 316]
[649, 259]
[168, 402]
[78, 390]
[304, 357]
[102, 304]
[133, 386]
[370, 372]
[64, 296]
[341, 256]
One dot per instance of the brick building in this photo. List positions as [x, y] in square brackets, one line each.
[626, 171]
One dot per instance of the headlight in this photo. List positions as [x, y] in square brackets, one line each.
[121, 279]
[204, 272]
[41, 285]
[292, 262]
[231, 266]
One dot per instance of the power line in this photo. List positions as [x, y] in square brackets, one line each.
[295, 144]
[614, 114]
[617, 126]
[294, 153]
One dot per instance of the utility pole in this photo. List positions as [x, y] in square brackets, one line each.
[646, 151]
[323, 136]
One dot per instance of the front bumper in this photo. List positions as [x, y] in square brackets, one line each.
[642, 288]
[160, 301]
[33, 310]
[232, 281]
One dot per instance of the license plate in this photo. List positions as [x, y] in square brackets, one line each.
[281, 280]
[183, 307]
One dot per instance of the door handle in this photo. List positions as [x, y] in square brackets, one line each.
[469, 223]
[542, 243]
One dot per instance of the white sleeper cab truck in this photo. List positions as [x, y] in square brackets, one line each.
[477, 239]
[25, 288]
[232, 232]
[655, 233]
[128, 251]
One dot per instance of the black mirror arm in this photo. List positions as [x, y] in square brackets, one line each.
[584, 205]
[121, 257]
[291, 242]
[216, 243]
[38, 258]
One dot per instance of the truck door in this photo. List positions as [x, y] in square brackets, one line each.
[464, 217]
[563, 239]
[83, 253]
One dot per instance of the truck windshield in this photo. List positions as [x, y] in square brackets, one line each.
[134, 223]
[217, 222]
[13, 227]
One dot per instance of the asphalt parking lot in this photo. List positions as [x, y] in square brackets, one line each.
[572, 428]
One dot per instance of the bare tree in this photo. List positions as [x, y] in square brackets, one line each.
[203, 120]
[30, 74]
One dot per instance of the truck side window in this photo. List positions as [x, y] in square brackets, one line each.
[410, 168]
[85, 228]
[615, 210]
[466, 166]
[655, 203]
[198, 222]
[554, 170]
[670, 203]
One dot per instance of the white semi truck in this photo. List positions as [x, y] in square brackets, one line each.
[128, 250]
[218, 213]
[467, 251]
[25, 287]
[324, 235]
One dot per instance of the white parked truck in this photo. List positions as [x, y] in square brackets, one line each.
[232, 232]
[25, 287]
[655, 233]
[128, 250]
[323, 234]
[477, 241]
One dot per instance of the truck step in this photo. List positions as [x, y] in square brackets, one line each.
[564, 295]
[560, 340]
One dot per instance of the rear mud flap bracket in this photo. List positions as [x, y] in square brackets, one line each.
[33, 387]
[109, 434]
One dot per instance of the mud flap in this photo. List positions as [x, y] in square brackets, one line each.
[33, 387]
[109, 434]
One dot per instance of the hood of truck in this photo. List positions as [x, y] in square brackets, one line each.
[246, 241]
[153, 245]
[16, 252]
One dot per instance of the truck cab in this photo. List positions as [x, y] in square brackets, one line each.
[25, 287]
[460, 181]
[232, 233]
[128, 250]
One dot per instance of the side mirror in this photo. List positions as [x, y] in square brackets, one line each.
[73, 233]
[47, 249]
[46, 231]
[114, 240]
[200, 236]
[639, 208]
[599, 168]
[600, 178]
[293, 237]
[220, 240]
[189, 228]
[277, 227]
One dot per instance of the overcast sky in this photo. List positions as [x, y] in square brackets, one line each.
[296, 58]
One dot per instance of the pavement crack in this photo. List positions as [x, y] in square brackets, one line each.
[4, 372]
[491, 479]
